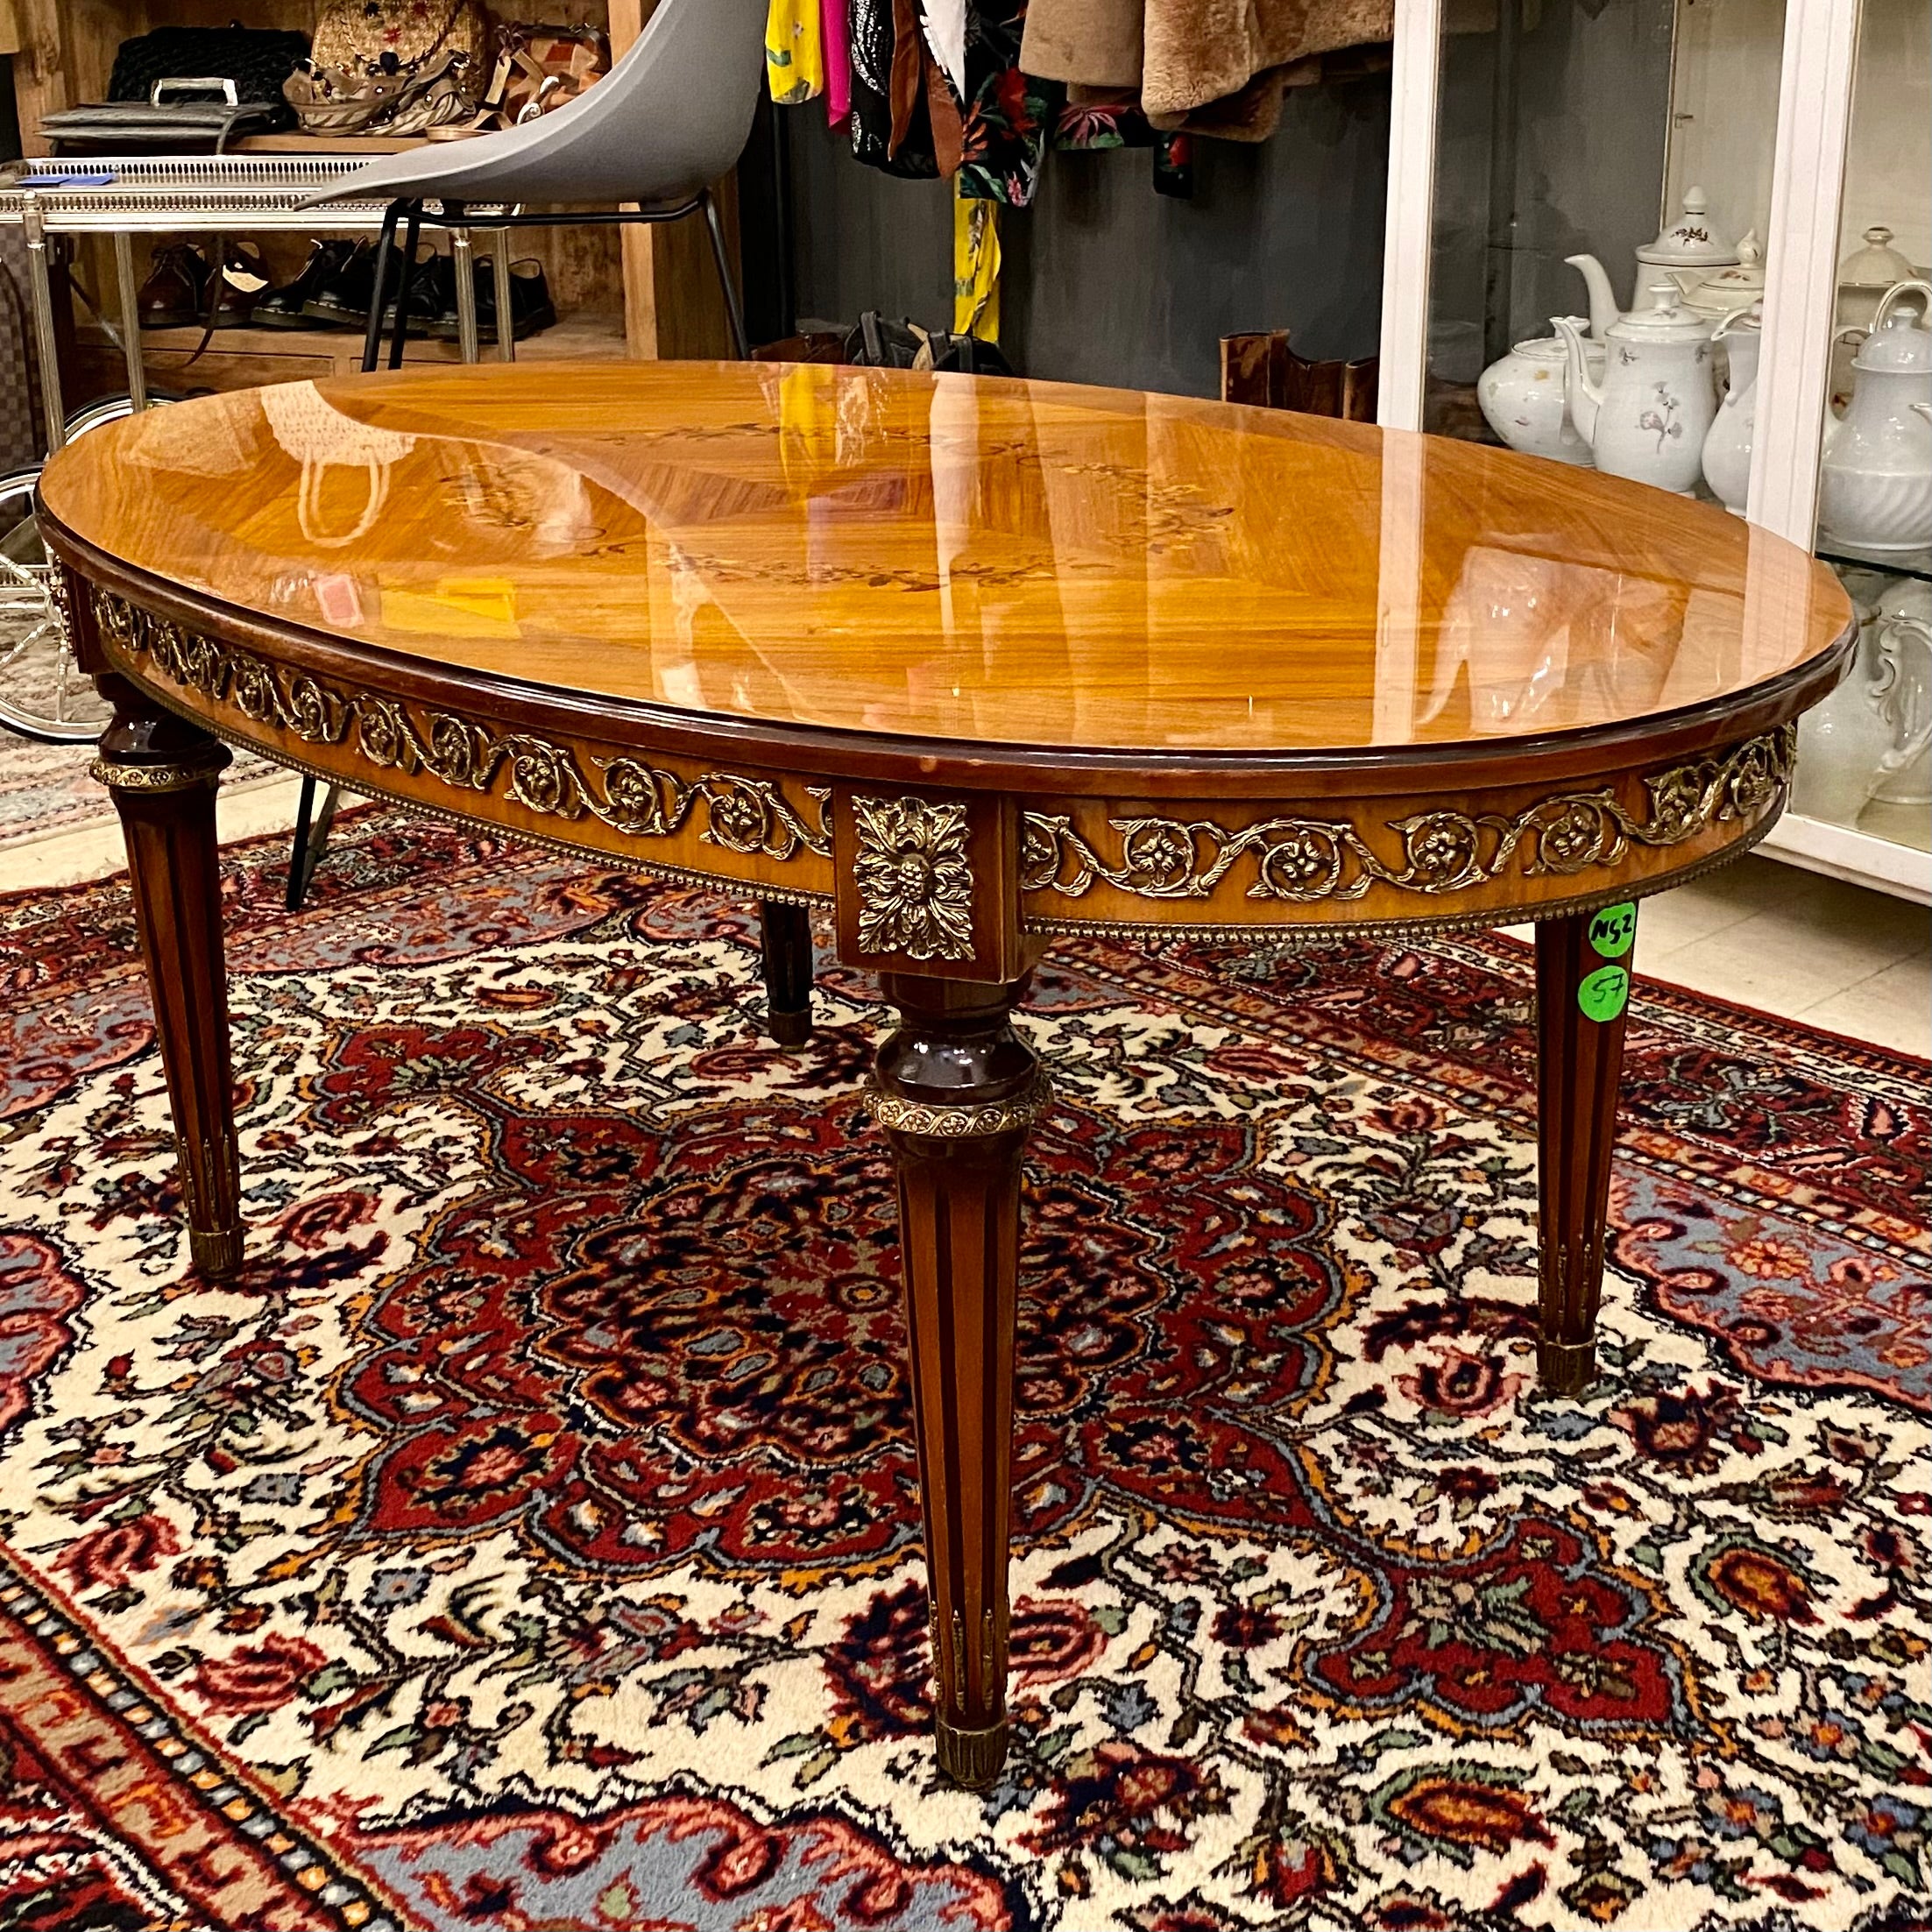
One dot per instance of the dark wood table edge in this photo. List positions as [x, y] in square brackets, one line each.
[963, 764]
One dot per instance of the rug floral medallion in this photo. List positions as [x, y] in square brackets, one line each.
[529, 1537]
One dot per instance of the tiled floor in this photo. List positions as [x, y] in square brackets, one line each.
[1793, 942]
[1759, 933]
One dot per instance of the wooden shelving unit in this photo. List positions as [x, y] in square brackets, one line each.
[646, 292]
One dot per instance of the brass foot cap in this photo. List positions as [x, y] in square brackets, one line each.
[971, 1758]
[215, 1251]
[1566, 1368]
[790, 1028]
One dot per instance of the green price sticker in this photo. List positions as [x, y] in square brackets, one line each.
[1612, 930]
[1605, 994]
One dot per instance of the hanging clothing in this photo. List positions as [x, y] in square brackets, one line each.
[1183, 55]
[795, 51]
[943, 23]
[1009, 116]
[1093, 118]
[890, 128]
[836, 53]
[975, 265]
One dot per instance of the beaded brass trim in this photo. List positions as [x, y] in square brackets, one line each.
[1443, 850]
[120, 777]
[963, 1122]
[747, 816]
[913, 878]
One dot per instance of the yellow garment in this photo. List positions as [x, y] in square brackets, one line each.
[795, 58]
[975, 267]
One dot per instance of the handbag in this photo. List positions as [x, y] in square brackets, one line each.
[390, 67]
[182, 86]
[541, 67]
[877, 344]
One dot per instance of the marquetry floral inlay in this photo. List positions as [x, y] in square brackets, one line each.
[1443, 850]
[747, 816]
[913, 877]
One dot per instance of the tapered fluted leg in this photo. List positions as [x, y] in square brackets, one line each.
[163, 773]
[957, 1091]
[786, 943]
[1583, 989]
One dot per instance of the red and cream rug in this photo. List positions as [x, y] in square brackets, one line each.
[529, 1540]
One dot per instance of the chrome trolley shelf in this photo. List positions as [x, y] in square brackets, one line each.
[42, 694]
[203, 194]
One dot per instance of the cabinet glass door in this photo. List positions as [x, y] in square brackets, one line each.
[1866, 758]
[1572, 130]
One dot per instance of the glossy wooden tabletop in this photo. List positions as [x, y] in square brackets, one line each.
[941, 557]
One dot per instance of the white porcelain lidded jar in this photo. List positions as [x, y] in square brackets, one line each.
[1687, 250]
[1866, 274]
[1522, 399]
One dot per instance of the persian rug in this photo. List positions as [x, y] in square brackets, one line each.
[528, 1538]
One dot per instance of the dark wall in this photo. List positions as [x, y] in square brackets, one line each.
[1106, 281]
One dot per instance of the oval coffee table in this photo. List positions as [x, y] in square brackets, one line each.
[970, 665]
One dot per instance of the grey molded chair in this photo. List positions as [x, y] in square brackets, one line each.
[671, 117]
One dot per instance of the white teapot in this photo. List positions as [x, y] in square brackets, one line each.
[1686, 254]
[1875, 479]
[1648, 418]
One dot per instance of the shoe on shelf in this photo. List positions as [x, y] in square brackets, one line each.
[530, 305]
[430, 290]
[343, 299]
[175, 293]
[283, 307]
[238, 288]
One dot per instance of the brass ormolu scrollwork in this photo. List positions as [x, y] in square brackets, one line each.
[1304, 859]
[747, 816]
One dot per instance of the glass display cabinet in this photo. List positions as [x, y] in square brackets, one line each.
[1686, 242]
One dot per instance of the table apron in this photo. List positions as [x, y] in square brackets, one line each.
[999, 873]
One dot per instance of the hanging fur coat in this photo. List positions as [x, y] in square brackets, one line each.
[1182, 55]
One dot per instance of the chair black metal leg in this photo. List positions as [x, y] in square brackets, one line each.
[310, 841]
[371, 335]
[725, 282]
[787, 950]
[412, 235]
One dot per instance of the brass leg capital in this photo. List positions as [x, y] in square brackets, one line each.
[972, 1757]
[1566, 1368]
[179, 777]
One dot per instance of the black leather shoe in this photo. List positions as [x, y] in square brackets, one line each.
[430, 293]
[175, 293]
[343, 299]
[530, 305]
[283, 307]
